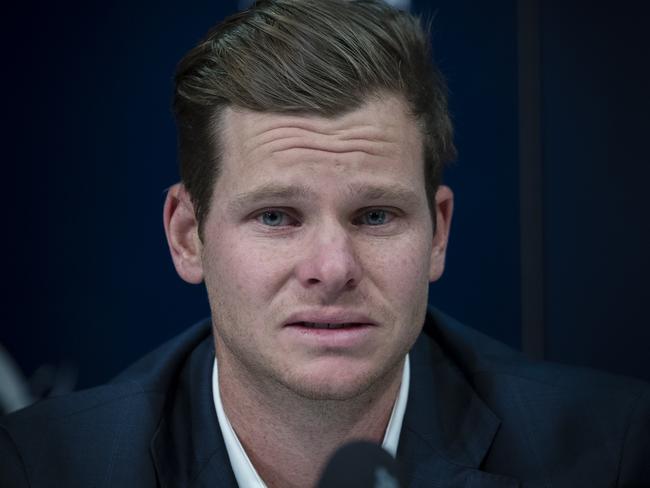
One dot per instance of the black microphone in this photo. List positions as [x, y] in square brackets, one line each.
[361, 465]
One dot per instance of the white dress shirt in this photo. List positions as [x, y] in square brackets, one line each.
[245, 472]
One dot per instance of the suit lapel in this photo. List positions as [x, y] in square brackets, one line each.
[187, 448]
[446, 433]
[447, 429]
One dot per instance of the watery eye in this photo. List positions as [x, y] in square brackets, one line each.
[273, 218]
[375, 217]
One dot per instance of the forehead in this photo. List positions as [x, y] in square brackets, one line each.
[378, 141]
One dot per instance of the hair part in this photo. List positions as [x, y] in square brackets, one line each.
[317, 57]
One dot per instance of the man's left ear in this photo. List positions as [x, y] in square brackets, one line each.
[444, 211]
[182, 231]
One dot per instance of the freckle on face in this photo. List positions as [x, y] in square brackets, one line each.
[257, 279]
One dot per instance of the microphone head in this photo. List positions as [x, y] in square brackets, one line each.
[361, 464]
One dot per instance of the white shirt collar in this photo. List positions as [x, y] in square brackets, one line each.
[244, 470]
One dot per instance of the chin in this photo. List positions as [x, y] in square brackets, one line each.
[326, 391]
[337, 383]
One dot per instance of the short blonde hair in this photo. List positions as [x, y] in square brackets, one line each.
[321, 57]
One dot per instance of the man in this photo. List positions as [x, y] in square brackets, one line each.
[312, 136]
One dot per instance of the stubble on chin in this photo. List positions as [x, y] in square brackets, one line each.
[248, 362]
[285, 383]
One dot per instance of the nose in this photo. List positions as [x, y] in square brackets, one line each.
[330, 264]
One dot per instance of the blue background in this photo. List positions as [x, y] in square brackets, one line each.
[89, 148]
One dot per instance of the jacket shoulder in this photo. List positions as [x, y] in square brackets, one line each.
[82, 439]
[555, 419]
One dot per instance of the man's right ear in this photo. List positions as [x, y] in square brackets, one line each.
[182, 231]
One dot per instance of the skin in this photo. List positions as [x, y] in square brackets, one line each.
[324, 218]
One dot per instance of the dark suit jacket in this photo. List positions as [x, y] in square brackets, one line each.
[478, 415]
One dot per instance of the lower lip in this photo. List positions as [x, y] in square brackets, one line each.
[342, 338]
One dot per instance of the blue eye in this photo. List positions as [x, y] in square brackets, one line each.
[276, 218]
[375, 217]
[273, 218]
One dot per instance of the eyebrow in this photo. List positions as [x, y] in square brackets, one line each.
[391, 193]
[268, 192]
[364, 192]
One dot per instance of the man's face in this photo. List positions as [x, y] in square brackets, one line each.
[318, 247]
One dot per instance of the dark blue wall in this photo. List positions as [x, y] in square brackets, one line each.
[475, 45]
[596, 119]
[89, 147]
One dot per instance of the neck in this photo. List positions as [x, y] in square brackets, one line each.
[289, 438]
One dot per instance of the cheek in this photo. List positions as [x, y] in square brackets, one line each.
[403, 268]
[244, 270]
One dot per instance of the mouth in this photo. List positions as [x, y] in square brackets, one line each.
[329, 319]
[328, 325]
[331, 331]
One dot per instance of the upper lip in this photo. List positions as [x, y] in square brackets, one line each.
[329, 317]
